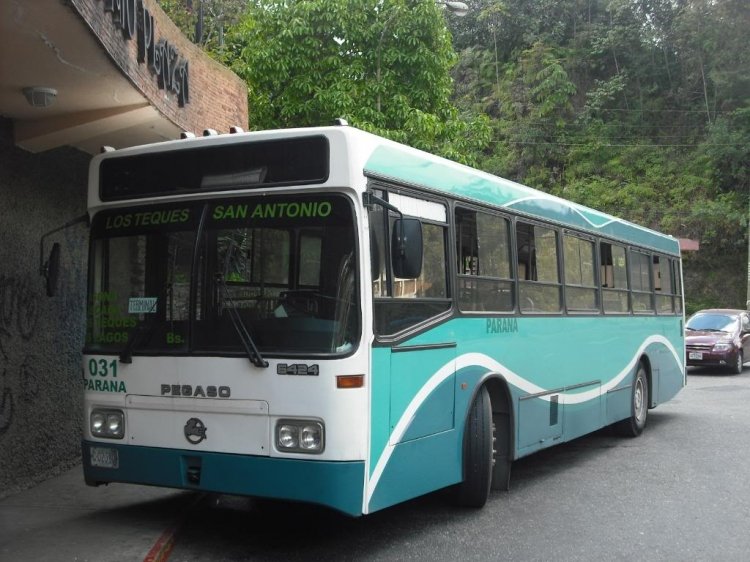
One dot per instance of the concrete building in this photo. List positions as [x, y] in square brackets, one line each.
[75, 75]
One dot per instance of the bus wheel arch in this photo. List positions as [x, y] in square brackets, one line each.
[646, 362]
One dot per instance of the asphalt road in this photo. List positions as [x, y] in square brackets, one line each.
[680, 492]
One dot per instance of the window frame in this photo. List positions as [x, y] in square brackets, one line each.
[444, 307]
[511, 280]
[632, 251]
[596, 287]
[521, 283]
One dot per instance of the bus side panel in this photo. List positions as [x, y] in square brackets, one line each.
[585, 417]
[413, 397]
[410, 468]
[558, 370]
[619, 403]
[418, 467]
[541, 422]
[671, 376]
[413, 374]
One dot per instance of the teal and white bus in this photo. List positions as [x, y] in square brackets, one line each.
[326, 316]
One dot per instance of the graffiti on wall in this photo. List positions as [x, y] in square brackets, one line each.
[19, 317]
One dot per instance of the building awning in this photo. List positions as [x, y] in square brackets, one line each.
[87, 73]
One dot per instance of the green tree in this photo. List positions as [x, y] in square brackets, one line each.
[215, 17]
[382, 65]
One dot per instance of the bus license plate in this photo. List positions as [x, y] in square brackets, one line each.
[104, 457]
[695, 355]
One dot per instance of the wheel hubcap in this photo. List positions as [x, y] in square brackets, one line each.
[638, 404]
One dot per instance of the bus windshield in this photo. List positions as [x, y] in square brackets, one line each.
[224, 276]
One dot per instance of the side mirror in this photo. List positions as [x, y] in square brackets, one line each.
[51, 269]
[406, 248]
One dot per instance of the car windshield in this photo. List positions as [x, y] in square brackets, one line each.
[276, 274]
[712, 322]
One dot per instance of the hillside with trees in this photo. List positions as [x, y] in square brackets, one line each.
[640, 108]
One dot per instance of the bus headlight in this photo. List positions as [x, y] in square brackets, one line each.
[311, 437]
[288, 436]
[107, 423]
[300, 436]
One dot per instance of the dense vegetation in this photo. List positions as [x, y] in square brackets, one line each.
[640, 108]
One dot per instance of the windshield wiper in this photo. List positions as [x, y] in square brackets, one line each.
[239, 326]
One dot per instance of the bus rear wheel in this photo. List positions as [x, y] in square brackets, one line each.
[633, 426]
[477, 453]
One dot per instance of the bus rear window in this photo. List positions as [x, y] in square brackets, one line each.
[208, 168]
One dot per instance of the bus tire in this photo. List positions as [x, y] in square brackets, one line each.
[474, 490]
[633, 425]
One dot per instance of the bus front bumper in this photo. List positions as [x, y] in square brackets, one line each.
[338, 485]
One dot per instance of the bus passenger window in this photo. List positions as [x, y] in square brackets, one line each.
[664, 287]
[483, 250]
[640, 281]
[581, 293]
[614, 278]
[539, 279]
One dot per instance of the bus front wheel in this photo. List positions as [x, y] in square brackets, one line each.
[477, 453]
[633, 426]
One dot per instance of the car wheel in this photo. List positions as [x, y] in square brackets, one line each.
[633, 426]
[477, 453]
[739, 363]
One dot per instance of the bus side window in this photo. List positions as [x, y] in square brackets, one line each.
[539, 277]
[581, 293]
[614, 278]
[640, 281]
[432, 282]
[400, 303]
[663, 285]
[483, 251]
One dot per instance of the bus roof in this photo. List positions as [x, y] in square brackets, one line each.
[383, 159]
[401, 164]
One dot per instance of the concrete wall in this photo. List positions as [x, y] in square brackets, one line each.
[40, 338]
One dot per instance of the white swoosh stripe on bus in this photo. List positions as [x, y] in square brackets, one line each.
[566, 204]
[480, 359]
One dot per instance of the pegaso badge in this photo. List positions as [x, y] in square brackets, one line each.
[195, 431]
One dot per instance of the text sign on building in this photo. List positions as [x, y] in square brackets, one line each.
[162, 58]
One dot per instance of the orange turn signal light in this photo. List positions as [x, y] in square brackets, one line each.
[350, 381]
